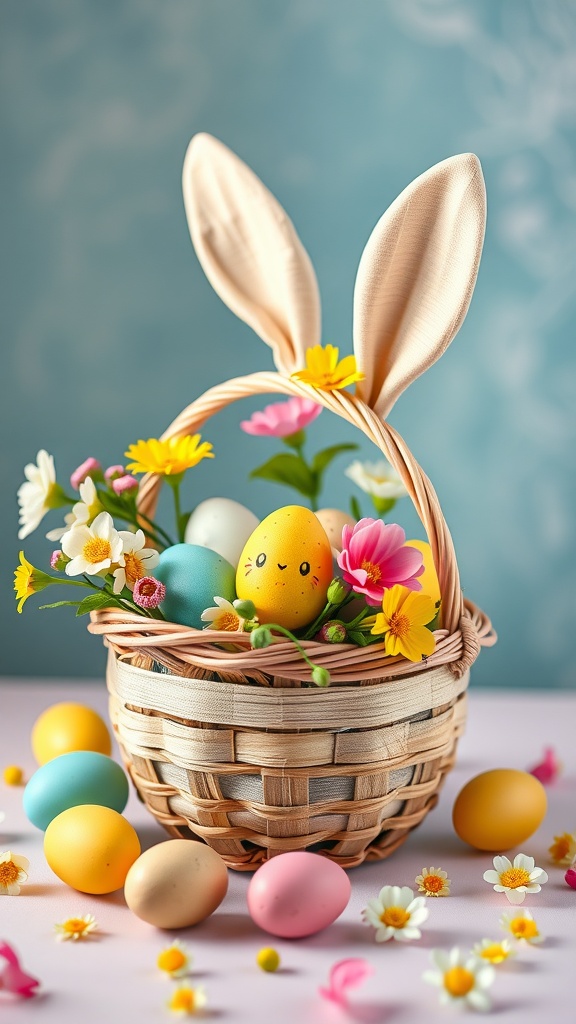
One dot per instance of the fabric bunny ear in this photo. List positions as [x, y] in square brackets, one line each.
[416, 278]
[250, 251]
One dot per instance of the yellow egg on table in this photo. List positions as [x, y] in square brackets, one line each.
[428, 579]
[499, 809]
[66, 727]
[285, 567]
[91, 848]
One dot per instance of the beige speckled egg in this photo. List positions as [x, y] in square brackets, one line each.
[176, 884]
[333, 520]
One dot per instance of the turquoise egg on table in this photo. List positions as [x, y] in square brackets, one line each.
[80, 777]
[193, 577]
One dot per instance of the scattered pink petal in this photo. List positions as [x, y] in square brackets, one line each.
[12, 977]
[344, 975]
[548, 769]
[570, 877]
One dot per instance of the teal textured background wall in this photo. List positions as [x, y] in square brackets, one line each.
[109, 327]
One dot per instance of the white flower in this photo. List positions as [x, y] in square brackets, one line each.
[13, 870]
[93, 549]
[83, 512]
[137, 562]
[522, 926]
[378, 479]
[433, 882]
[461, 977]
[76, 928]
[515, 879]
[36, 495]
[224, 617]
[174, 960]
[396, 914]
[492, 951]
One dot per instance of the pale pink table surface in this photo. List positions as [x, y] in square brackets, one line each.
[113, 978]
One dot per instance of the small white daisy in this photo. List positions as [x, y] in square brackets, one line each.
[396, 914]
[223, 617]
[13, 870]
[522, 926]
[138, 560]
[93, 549]
[492, 951]
[38, 494]
[461, 977]
[516, 879]
[174, 960]
[433, 882]
[75, 928]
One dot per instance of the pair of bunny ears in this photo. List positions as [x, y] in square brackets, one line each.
[414, 282]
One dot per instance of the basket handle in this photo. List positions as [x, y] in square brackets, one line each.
[356, 412]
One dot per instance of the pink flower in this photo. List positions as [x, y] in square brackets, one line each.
[282, 418]
[548, 769]
[91, 467]
[113, 472]
[374, 557]
[12, 977]
[124, 484]
[149, 592]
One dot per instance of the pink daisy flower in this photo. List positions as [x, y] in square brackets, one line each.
[282, 418]
[148, 592]
[375, 557]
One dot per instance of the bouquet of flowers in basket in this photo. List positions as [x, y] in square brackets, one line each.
[303, 572]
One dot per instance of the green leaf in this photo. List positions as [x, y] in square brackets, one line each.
[322, 459]
[355, 508]
[289, 470]
[295, 440]
[99, 599]
[359, 638]
[58, 604]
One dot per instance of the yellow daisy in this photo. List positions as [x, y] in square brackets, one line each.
[563, 849]
[75, 928]
[433, 882]
[28, 580]
[493, 952]
[174, 960]
[403, 622]
[168, 458]
[186, 1000]
[325, 372]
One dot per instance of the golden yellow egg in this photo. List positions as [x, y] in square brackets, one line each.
[91, 848]
[66, 727]
[285, 568]
[499, 809]
[428, 579]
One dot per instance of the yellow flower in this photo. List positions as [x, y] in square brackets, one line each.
[13, 870]
[174, 960]
[76, 928]
[433, 882]
[324, 371]
[563, 849]
[28, 580]
[492, 951]
[168, 458]
[403, 622]
[187, 1000]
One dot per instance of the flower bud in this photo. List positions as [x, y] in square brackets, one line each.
[245, 609]
[320, 676]
[113, 473]
[90, 467]
[333, 632]
[260, 637]
[58, 560]
[125, 484]
[337, 591]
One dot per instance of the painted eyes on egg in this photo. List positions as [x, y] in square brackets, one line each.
[260, 560]
[304, 568]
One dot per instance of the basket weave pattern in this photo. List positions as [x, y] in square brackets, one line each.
[235, 746]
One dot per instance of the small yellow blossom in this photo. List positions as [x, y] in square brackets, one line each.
[13, 870]
[403, 622]
[492, 951]
[168, 458]
[187, 1000]
[325, 372]
[433, 882]
[174, 960]
[563, 849]
[521, 926]
[13, 775]
[268, 959]
[28, 581]
[75, 928]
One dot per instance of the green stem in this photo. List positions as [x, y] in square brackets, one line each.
[175, 486]
[319, 621]
[290, 636]
[161, 533]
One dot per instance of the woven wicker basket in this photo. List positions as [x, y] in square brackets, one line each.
[238, 747]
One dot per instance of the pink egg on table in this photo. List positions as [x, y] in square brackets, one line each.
[297, 894]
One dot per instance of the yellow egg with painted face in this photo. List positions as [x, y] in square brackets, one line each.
[285, 568]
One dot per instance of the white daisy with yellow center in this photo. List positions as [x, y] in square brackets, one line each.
[83, 512]
[462, 978]
[174, 960]
[93, 549]
[396, 914]
[13, 871]
[521, 926]
[138, 560]
[224, 617]
[38, 494]
[516, 878]
[492, 951]
[75, 928]
[186, 1000]
[378, 479]
[433, 882]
